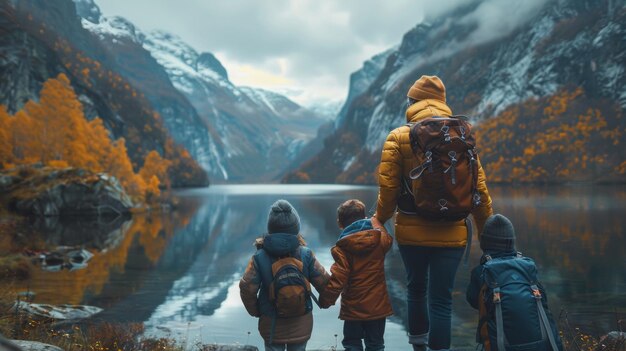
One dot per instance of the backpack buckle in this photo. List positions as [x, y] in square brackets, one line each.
[446, 132]
[417, 171]
[496, 296]
[536, 292]
[476, 199]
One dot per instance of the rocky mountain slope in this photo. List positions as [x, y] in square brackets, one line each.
[41, 39]
[563, 49]
[142, 84]
[257, 132]
[241, 134]
[126, 43]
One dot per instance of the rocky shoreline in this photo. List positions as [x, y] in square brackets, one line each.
[46, 191]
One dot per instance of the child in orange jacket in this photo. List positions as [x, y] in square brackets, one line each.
[358, 274]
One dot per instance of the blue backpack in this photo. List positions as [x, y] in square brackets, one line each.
[514, 314]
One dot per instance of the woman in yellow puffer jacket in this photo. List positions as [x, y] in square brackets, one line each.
[428, 248]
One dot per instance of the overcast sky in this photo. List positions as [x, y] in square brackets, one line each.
[307, 48]
[303, 48]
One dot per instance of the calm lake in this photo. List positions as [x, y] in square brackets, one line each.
[178, 273]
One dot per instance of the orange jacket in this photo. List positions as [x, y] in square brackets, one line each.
[396, 162]
[358, 273]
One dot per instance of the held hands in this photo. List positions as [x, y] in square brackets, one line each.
[376, 223]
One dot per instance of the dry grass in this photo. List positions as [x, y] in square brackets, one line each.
[73, 337]
[574, 339]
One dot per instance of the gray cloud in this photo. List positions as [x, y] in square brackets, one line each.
[497, 18]
[314, 43]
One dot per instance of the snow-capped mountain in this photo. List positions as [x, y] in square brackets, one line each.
[249, 134]
[560, 45]
[259, 131]
[125, 42]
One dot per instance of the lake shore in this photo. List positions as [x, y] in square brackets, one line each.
[180, 269]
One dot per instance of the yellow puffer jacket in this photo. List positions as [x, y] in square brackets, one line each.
[396, 162]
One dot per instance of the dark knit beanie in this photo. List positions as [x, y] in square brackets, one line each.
[498, 234]
[427, 87]
[283, 218]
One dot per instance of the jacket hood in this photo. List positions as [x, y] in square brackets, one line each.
[425, 109]
[280, 244]
[357, 226]
[360, 243]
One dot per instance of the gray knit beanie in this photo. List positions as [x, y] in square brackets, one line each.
[283, 218]
[498, 234]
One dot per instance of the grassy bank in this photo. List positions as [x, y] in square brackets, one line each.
[89, 335]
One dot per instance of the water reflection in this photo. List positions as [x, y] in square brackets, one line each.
[179, 272]
[141, 238]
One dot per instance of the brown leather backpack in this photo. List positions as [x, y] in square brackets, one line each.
[443, 185]
[290, 289]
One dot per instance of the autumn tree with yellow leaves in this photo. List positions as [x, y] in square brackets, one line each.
[54, 131]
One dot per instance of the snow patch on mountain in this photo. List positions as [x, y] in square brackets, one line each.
[349, 163]
[262, 97]
[326, 109]
[88, 10]
[113, 28]
[181, 61]
[378, 127]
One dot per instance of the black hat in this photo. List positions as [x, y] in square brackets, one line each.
[283, 218]
[498, 234]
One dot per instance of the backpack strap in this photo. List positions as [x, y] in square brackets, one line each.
[500, 338]
[304, 255]
[543, 318]
[272, 329]
[470, 234]
[264, 264]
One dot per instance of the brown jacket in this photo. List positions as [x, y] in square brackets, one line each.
[396, 162]
[287, 330]
[358, 274]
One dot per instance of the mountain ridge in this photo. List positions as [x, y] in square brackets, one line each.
[567, 43]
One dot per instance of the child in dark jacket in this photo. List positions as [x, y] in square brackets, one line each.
[358, 274]
[512, 304]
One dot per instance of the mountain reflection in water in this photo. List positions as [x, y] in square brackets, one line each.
[179, 272]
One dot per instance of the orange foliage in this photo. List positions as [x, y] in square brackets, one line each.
[152, 189]
[122, 168]
[155, 165]
[6, 149]
[55, 132]
[562, 137]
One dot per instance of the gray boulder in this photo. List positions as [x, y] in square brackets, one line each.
[44, 191]
[60, 312]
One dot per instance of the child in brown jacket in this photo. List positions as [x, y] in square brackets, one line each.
[358, 274]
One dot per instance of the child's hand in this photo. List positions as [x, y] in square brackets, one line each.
[376, 223]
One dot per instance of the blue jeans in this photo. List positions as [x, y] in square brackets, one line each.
[430, 300]
[371, 332]
[283, 347]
